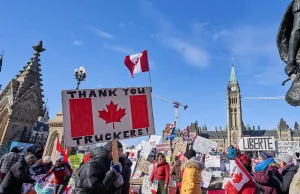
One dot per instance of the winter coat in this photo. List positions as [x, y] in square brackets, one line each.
[191, 179]
[18, 174]
[231, 153]
[62, 173]
[126, 173]
[8, 160]
[265, 181]
[288, 174]
[39, 168]
[95, 176]
[295, 184]
[161, 171]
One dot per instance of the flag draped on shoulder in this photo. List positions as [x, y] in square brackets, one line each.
[241, 181]
[137, 63]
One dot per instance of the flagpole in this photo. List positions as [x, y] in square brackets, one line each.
[149, 70]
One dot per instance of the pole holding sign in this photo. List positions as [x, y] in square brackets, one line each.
[257, 144]
[100, 115]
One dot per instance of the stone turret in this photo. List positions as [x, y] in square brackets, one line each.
[296, 126]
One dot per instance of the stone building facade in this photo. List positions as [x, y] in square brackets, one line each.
[21, 102]
[235, 129]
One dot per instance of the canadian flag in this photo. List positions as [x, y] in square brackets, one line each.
[60, 150]
[241, 181]
[137, 63]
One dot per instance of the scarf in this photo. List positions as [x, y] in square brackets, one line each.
[263, 165]
[281, 169]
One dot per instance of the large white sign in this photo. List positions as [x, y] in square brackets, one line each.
[204, 145]
[154, 139]
[146, 149]
[212, 161]
[285, 146]
[101, 115]
[257, 144]
[206, 177]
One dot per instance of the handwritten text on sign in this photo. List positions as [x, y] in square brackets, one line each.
[100, 115]
[204, 145]
[285, 146]
[257, 143]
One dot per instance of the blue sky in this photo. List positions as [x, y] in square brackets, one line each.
[190, 45]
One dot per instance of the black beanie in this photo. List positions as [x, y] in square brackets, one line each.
[108, 146]
[190, 153]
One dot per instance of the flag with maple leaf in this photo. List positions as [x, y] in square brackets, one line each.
[241, 181]
[137, 63]
[107, 114]
[60, 150]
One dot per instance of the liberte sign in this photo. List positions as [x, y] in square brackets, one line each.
[257, 144]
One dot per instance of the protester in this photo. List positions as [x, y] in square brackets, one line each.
[42, 166]
[17, 175]
[126, 172]
[8, 160]
[288, 170]
[231, 152]
[99, 174]
[245, 160]
[191, 178]
[176, 172]
[62, 173]
[184, 158]
[263, 169]
[161, 174]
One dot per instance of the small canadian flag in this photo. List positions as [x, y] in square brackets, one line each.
[137, 63]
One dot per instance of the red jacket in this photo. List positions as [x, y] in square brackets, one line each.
[179, 183]
[60, 173]
[161, 171]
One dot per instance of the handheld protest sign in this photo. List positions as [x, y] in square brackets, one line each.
[257, 144]
[115, 151]
[99, 115]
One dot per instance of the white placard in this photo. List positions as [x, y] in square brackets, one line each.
[206, 177]
[257, 144]
[146, 149]
[164, 147]
[154, 139]
[285, 146]
[146, 189]
[101, 115]
[212, 161]
[204, 145]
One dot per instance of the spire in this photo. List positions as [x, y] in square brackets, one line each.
[232, 76]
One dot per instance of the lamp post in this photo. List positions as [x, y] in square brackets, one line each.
[80, 75]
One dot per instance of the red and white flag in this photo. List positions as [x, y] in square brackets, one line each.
[137, 63]
[61, 151]
[101, 115]
[241, 181]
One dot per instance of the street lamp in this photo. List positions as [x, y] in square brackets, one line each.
[80, 75]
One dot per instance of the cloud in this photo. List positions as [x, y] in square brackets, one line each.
[122, 25]
[218, 34]
[101, 33]
[77, 42]
[185, 46]
[121, 49]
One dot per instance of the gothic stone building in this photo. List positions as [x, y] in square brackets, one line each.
[21, 102]
[235, 129]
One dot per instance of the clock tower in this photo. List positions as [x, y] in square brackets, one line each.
[234, 110]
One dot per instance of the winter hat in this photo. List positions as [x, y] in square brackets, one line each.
[47, 159]
[264, 155]
[108, 146]
[15, 149]
[30, 157]
[190, 153]
[286, 158]
[179, 155]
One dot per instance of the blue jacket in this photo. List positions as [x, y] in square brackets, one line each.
[40, 190]
[231, 153]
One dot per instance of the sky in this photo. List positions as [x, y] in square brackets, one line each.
[190, 46]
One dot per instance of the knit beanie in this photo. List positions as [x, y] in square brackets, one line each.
[190, 153]
[108, 146]
[264, 155]
[47, 159]
[286, 158]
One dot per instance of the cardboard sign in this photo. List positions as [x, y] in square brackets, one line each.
[146, 188]
[164, 147]
[143, 166]
[212, 161]
[257, 144]
[179, 147]
[146, 149]
[154, 139]
[204, 145]
[101, 115]
[285, 146]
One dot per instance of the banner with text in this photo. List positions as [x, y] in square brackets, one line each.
[257, 144]
[285, 146]
[100, 115]
[204, 145]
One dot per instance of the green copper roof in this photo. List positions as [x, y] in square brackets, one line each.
[232, 76]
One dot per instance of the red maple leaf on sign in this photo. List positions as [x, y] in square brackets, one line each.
[112, 114]
[237, 177]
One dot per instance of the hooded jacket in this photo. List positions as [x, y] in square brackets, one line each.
[13, 181]
[40, 168]
[191, 179]
[95, 176]
[161, 171]
[126, 173]
[288, 174]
